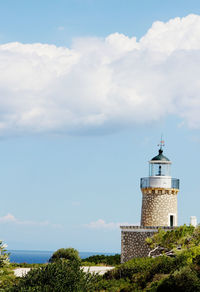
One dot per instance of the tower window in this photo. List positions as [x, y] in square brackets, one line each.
[171, 220]
[159, 171]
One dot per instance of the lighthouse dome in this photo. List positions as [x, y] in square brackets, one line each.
[160, 157]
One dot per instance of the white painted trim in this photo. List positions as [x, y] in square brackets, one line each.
[159, 162]
[160, 176]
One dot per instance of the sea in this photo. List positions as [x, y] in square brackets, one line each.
[41, 256]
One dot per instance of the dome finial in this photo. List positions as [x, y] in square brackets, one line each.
[160, 156]
[161, 145]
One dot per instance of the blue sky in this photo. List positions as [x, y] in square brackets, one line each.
[39, 21]
[79, 120]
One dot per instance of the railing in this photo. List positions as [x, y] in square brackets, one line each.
[144, 182]
[162, 182]
[175, 183]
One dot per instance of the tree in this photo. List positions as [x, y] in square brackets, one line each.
[7, 278]
[66, 254]
[4, 256]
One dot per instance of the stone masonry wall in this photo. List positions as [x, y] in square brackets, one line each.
[157, 205]
[133, 243]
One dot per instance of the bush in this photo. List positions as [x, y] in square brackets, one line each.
[65, 253]
[173, 241]
[7, 278]
[111, 260]
[113, 285]
[129, 268]
[59, 276]
[142, 272]
[185, 279]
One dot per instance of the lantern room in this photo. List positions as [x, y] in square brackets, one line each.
[160, 165]
[159, 173]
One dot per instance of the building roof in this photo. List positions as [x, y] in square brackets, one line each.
[160, 156]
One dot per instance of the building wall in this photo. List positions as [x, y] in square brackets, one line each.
[133, 243]
[157, 206]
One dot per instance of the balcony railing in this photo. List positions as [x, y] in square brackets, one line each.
[175, 183]
[159, 182]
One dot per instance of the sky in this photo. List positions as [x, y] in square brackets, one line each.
[87, 87]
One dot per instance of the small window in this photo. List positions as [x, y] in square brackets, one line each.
[171, 220]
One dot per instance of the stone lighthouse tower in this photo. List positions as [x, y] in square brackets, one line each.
[159, 208]
[159, 193]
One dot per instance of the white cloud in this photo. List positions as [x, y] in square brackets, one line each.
[102, 83]
[9, 218]
[102, 224]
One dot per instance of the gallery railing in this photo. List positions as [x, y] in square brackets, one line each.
[146, 182]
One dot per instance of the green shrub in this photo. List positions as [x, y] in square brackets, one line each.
[141, 272]
[129, 268]
[180, 238]
[109, 260]
[65, 253]
[7, 278]
[113, 285]
[59, 276]
[185, 279]
[89, 264]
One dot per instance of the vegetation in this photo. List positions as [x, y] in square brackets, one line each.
[174, 241]
[59, 276]
[176, 267]
[111, 260]
[7, 277]
[65, 253]
[25, 265]
[4, 256]
[172, 265]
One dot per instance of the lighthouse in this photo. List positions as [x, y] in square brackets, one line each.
[159, 208]
[159, 193]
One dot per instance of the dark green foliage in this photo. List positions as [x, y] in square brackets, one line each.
[181, 272]
[7, 278]
[113, 285]
[141, 271]
[65, 253]
[185, 279]
[129, 268]
[60, 276]
[180, 237]
[111, 260]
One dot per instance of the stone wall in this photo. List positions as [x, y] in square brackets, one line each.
[133, 243]
[157, 206]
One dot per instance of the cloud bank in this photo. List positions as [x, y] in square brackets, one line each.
[98, 83]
